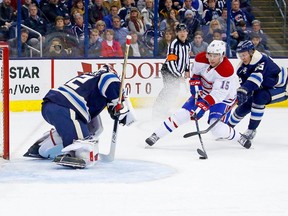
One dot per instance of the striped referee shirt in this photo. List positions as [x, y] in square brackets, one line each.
[178, 58]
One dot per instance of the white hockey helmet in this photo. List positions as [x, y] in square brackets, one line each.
[217, 47]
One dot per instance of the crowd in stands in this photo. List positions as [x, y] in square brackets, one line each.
[60, 26]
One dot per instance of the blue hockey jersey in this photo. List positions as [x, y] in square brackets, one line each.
[261, 72]
[87, 94]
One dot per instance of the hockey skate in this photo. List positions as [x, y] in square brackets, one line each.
[250, 134]
[33, 151]
[152, 139]
[244, 141]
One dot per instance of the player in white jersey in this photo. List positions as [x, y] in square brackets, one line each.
[213, 85]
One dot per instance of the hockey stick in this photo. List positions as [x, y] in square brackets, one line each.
[111, 155]
[201, 152]
[211, 126]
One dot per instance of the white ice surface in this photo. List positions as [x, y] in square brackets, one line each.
[166, 180]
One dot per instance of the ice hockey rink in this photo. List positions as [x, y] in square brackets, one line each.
[166, 180]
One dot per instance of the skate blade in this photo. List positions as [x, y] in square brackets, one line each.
[70, 162]
[27, 154]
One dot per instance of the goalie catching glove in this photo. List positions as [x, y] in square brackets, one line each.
[124, 110]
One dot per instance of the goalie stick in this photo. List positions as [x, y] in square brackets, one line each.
[211, 126]
[111, 155]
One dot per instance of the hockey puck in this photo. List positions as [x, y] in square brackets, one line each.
[202, 158]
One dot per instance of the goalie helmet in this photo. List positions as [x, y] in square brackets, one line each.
[105, 69]
[244, 46]
[217, 47]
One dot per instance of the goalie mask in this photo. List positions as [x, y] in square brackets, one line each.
[105, 69]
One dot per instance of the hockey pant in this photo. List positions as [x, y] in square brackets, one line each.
[182, 116]
[68, 125]
[256, 105]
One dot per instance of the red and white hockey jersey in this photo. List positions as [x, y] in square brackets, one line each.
[220, 83]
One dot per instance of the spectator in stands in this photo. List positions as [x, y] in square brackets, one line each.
[223, 21]
[243, 32]
[110, 47]
[140, 4]
[56, 50]
[109, 3]
[149, 39]
[38, 24]
[214, 24]
[169, 36]
[220, 4]
[256, 40]
[67, 22]
[13, 45]
[79, 28]
[108, 18]
[97, 11]
[101, 26]
[137, 48]
[77, 7]
[25, 9]
[234, 37]
[164, 13]
[192, 23]
[246, 6]
[135, 22]
[169, 21]
[95, 42]
[211, 12]
[120, 32]
[148, 13]
[256, 28]
[237, 14]
[68, 40]
[198, 44]
[7, 20]
[187, 6]
[218, 35]
[124, 12]
[53, 9]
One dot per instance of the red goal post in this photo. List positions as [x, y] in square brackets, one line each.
[4, 101]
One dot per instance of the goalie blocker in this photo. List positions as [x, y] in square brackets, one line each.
[68, 109]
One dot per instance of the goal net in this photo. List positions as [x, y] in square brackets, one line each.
[4, 101]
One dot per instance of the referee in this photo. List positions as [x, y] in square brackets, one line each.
[177, 62]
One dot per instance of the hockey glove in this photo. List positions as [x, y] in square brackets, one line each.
[195, 85]
[113, 110]
[199, 108]
[242, 95]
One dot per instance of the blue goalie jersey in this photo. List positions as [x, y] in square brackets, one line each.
[87, 94]
[262, 72]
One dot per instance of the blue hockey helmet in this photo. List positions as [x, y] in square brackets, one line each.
[244, 46]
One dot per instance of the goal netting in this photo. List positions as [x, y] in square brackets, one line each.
[4, 101]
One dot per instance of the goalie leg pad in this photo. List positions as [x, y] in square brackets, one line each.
[51, 146]
[95, 126]
[43, 146]
[83, 150]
